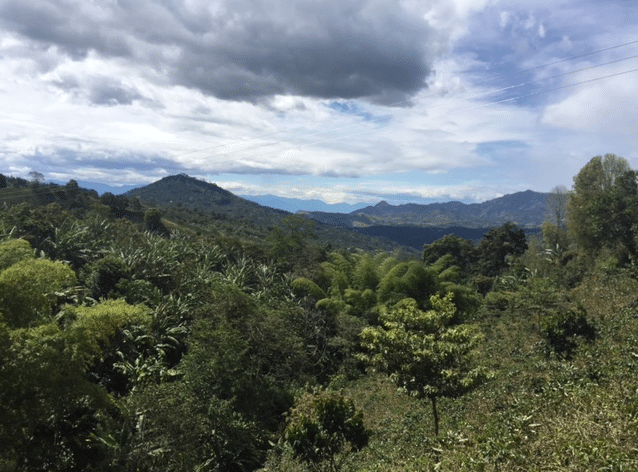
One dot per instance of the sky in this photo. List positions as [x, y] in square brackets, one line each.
[349, 101]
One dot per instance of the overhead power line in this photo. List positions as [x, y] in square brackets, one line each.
[434, 94]
[293, 148]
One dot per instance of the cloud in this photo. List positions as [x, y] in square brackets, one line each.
[100, 90]
[371, 192]
[243, 49]
[119, 90]
[610, 108]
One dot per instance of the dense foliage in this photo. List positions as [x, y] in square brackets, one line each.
[135, 338]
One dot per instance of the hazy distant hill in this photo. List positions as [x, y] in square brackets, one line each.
[526, 209]
[382, 226]
[188, 193]
[294, 205]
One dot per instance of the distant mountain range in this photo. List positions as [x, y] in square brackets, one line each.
[188, 193]
[409, 225]
[526, 209]
[293, 205]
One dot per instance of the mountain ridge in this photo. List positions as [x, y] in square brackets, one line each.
[408, 225]
[526, 209]
[188, 193]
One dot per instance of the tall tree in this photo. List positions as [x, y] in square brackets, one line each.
[425, 354]
[614, 216]
[496, 247]
[554, 229]
[595, 179]
[36, 176]
[28, 290]
[463, 252]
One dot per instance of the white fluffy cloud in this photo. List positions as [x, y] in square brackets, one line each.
[443, 98]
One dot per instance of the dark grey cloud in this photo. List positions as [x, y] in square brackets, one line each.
[245, 49]
[111, 92]
[100, 90]
[65, 24]
[71, 160]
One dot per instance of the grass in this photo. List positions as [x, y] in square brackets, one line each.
[540, 413]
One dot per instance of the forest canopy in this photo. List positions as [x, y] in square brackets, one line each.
[136, 337]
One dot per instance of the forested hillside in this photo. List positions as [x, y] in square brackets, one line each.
[140, 336]
[525, 209]
[185, 198]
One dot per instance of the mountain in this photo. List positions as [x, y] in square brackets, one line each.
[294, 205]
[211, 204]
[526, 209]
[382, 226]
[189, 193]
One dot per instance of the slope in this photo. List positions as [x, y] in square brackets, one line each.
[526, 209]
[207, 203]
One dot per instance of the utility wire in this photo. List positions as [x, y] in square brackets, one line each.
[354, 125]
[491, 92]
[332, 130]
[319, 133]
[298, 148]
[559, 61]
[483, 105]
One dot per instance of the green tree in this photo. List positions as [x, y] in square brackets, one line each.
[36, 176]
[324, 429]
[28, 290]
[423, 352]
[563, 328]
[497, 246]
[614, 216]
[153, 222]
[14, 250]
[52, 416]
[554, 226]
[595, 179]
[291, 236]
[103, 275]
[462, 251]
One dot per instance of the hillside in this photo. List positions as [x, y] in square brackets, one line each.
[294, 205]
[210, 204]
[227, 346]
[525, 209]
[189, 193]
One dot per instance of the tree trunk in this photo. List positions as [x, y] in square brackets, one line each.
[435, 413]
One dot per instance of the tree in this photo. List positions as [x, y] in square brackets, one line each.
[424, 353]
[28, 290]
[153, 222]
[498, 245]
[52, 417]
[117, 204]
[324, 429]
[3, 181]
[463, 252]
[36, 176]
[562, 329]
[14, 250]
[554, 230]
[103, 275]
[291, 236]
[596, 178]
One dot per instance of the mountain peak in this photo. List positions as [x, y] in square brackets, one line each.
[188, 192]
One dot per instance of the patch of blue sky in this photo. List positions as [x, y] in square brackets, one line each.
[350, 107]
[500, 148]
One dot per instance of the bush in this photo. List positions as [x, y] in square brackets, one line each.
[562, 330]
[325, 429]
